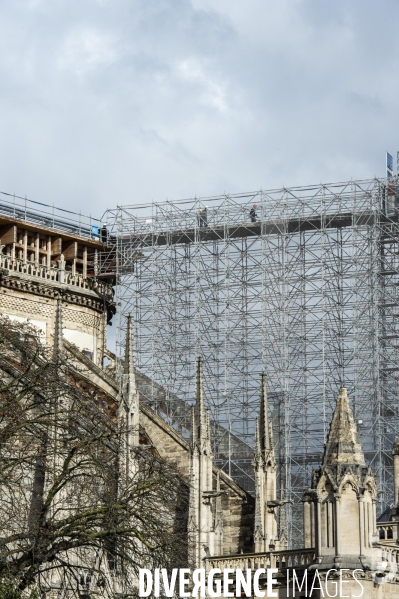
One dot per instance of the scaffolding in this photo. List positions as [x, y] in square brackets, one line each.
[303, 287]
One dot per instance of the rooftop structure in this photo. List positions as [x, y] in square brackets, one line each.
[49, 266]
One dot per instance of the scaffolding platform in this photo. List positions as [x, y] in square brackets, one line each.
[235, 231]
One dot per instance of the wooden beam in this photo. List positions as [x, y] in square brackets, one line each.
[70, 250]
[49, 252]
[37, 247]
[56, 246]
[8, 234]
[7, 221]
[25, 244]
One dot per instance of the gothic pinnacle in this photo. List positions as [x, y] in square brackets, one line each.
[129, 404]
[200, 389]
[129, 360]
[265, 429]
[343, 445]
[257, 446]
[200, 426]
[58, 345]
[129, 377]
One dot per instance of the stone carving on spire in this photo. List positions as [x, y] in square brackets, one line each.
[200, 433]
[266, 429]
[343, 445]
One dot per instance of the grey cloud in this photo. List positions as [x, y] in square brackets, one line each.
[116, 102]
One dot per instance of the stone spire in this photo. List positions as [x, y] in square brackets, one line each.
[265, 426]
[129, 403]
[58, 345]
[129, 378]
[200, 429]
[257, 445]
[128, 365]
[130, 393]
[258, 464]
[343, 445]
[340, 507]
[265, 526]
[200, 520]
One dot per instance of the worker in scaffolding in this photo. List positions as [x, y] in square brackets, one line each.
[104, 233]
[252, 213]
[203, 217]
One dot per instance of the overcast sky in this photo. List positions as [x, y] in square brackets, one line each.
[107, 102]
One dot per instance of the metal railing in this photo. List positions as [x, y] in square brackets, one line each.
[49, 216]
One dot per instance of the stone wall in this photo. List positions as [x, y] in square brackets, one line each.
[83, 320]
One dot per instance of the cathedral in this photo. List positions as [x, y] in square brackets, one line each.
[45, 282]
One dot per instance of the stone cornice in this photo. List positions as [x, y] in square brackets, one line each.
[69, 294]
[30, 277]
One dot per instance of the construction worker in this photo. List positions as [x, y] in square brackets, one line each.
[203, 217]
[199, 217]
[252, 214]
[104, 233]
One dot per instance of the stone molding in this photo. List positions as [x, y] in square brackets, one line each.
[50, 283]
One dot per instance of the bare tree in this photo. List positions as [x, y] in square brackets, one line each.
[69, 520]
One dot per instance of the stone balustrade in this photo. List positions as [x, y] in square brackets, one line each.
[56, 275]
[389, 553]
[293, 558]
[388, 531]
